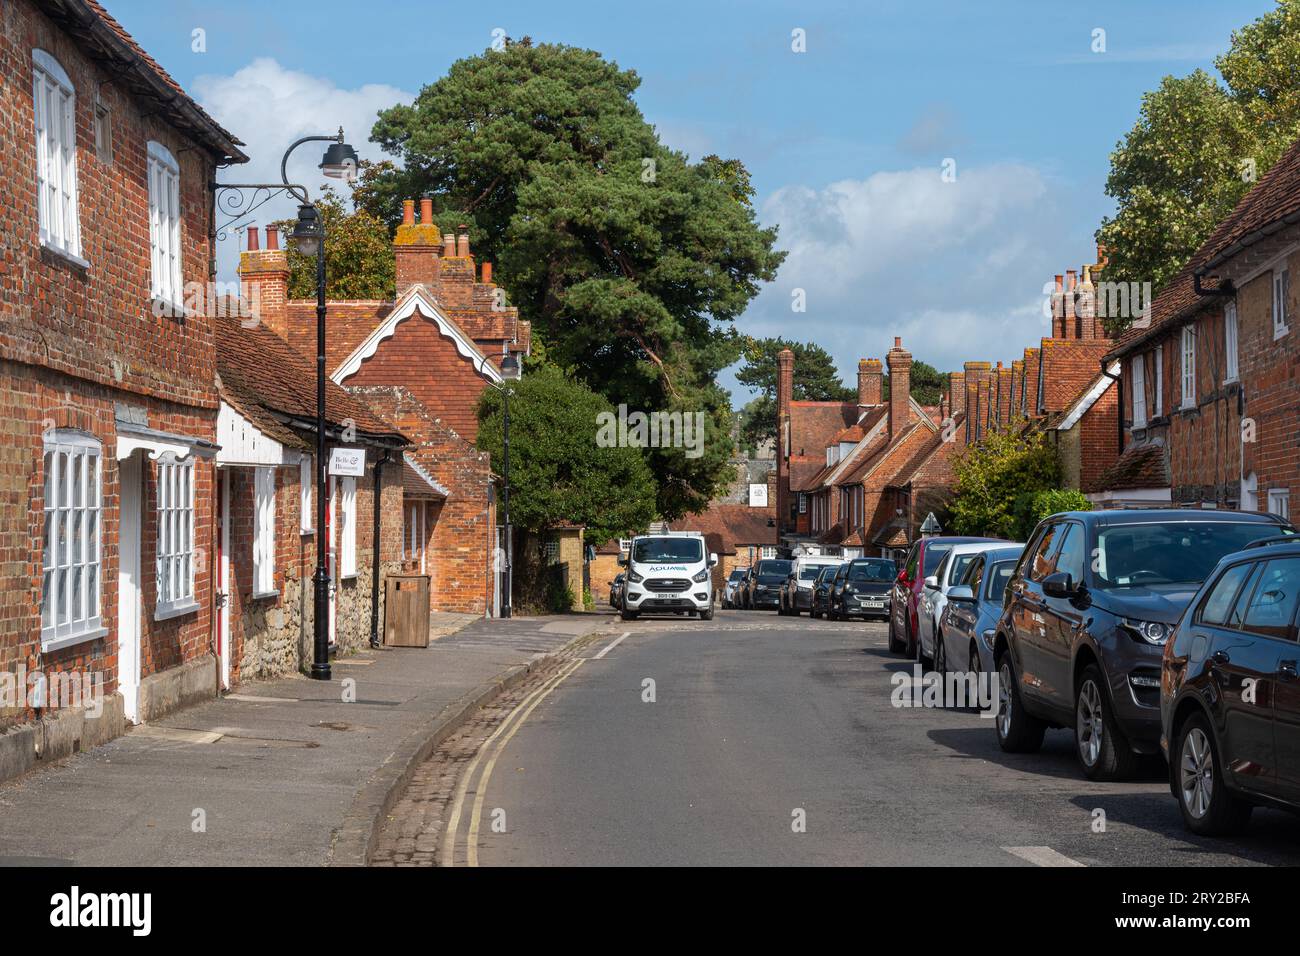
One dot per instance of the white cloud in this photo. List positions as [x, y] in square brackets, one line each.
[955, 268]
[268, 107]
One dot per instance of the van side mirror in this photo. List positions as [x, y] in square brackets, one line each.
[1059, 585]
[622, 559]
[713, 559]
[961, 593]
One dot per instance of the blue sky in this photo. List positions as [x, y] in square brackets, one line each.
[845, 141]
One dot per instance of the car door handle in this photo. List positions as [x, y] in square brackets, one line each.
[1287, 669]
[1220, 657]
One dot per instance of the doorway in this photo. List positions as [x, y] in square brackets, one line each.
[129, 476]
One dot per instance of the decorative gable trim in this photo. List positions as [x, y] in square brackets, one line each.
[417, 299]
[1089, 398]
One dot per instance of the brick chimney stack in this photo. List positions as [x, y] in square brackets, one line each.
[784, 392]
[264, 280]
[870, 382]
[973, 374]
[900, 387]
[1070, 330]
[1058, 308]
[415, 248]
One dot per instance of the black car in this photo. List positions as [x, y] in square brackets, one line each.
[1087, 613]
[863, 591]
[821, 592]
[616, 591]
[1230, 691]
[763, 583]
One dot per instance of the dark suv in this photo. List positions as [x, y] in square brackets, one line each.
[763, 584]
[1087, 612]
[922, 561]
[1230, 691]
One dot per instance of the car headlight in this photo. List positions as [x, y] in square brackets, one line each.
[1153, 632]
[701, 577]
[849, 589]
[634, 577]
[989, 637]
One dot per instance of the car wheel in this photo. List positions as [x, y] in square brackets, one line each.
[895, 645]
[920, 652]
[628, 615]
[940, 656]
[706, 615]
[1018, 731]
[1208, 807]
[1103, 751]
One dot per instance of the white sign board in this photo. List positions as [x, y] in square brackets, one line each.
[758, 496]
[348, 461]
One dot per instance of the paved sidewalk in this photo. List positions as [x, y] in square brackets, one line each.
[263, 776]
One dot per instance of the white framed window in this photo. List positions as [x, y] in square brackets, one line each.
[767, 552]
[263, 531]
[625, 544]
[1137, 375]
[1230, 342]
[55, 102]
[413, 534]
[165, 225]
[1281, 295]
[803, 503]
[1279, 502]
[551, 551]
[348, 528]
[1189, 367]
[306, 480]
[175, 558]
[70, 584]
[1158, 393]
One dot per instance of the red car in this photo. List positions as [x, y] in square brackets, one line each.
[922, 561]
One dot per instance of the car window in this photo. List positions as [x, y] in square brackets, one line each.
[912, 560]
[1169, 552]
[1040, 565]
[841, 571]
[998, 577]
[1272, 606]
[975, 575]
[959, 566]
[1070, 558]
[1218, 603]
[935, 553]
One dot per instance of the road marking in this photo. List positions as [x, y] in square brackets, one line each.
[1042, 856]
[611, 645]
[471, 838]
[453, 821]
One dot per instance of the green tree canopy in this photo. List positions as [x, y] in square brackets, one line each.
[1198, 146]
[815, 379]
[359, 260]
[558, 472]
[993, 475]
[631, 261]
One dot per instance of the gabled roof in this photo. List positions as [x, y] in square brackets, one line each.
[735, 525]
[1095, 390]
[418, 483]
[269, 382]
[814, 425]
[106, 41]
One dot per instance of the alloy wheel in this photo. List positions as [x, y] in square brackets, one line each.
[1196, 773]
[1089, 723]
[1004, 699]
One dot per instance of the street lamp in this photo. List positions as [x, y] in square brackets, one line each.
[338, 162]
[510, 372]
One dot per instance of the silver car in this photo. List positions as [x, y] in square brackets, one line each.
[730, 590]
[969, 622]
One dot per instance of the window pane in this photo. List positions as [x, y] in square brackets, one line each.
[1272, 606]
[47, 605]
[1219, 601]
[1070, 559]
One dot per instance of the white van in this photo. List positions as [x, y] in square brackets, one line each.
[668, 572]
[796, 593]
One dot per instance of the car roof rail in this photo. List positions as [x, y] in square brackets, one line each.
[1275, 539]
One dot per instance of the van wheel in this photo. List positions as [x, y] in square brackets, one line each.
[707, 615]
[1103, 750]
[1019, 732]
[628, 615]
[1208, 807]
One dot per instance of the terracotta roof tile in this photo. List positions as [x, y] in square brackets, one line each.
[733, 525]
[1142, 465]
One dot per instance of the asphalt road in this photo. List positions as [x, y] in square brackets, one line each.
[760, 723]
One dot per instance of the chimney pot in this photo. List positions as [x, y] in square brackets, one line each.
[487, 273]
[272, 238]
[898, 341]
[448, 244]
[252, 238]
[462, 241]
[408, 212]
[426, 211]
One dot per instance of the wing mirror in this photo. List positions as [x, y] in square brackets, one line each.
[932, 583]
[622, 559]
[1059, 585]
[962, 593]
[713, 559]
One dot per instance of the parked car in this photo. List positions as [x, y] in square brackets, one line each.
[970, 616]
[763, 584]
[1230, 691]
[796, 590]
[616, 591]
[863, 591]
[934, 594]
[1087, 612]
[732, 587]
[922, 561]
[821, 591]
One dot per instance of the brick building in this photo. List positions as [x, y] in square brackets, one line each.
[265, 554]
[1210, 384]
[107, 391]
[421, 360]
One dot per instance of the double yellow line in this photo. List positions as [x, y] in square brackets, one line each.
[514, 720]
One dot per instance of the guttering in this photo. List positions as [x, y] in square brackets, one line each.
[1224, 288]
[1246, 241]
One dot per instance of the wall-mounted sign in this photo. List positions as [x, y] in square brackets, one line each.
[348, 461]
[758, 496]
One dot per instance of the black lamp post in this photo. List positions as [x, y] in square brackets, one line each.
[308, 237]
[510, 371]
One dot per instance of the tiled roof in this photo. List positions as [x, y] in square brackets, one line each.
[106, 40]
[418, 483]
[733, 524]
[804, 471]
[814, 425]
[1141, 466]
[258, 368]
[892, 535]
